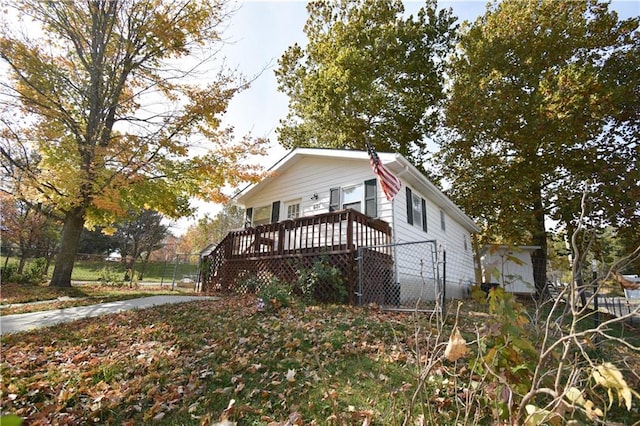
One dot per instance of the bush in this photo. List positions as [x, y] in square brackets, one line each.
[250, 282]
[275, 295]
[10, 274]
[321, 283]
[35, 273]
[108, 276]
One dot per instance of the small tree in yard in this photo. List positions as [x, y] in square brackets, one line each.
[110, 107]
[24, 226]
[138, 238]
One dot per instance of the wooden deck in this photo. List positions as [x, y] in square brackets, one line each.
[249, 258]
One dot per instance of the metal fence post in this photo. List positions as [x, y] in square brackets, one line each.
[594, 270]
[444, 281]
[360, 262]
[175, 271]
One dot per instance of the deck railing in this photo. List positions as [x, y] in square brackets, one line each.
[326, 232]
[267, 247]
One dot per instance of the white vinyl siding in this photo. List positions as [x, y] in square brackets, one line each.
[458, 274]
[318, 176]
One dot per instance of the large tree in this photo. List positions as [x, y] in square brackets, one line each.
[102, 104]
[367, 70]
[544, 98]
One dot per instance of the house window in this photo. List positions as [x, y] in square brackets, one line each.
[416, 210]
[416, 205]
[261, 215]
[293, 209]
[357, 197]
[352, 197]
[442, 221]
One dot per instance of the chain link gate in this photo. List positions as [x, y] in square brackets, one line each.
[402, 276]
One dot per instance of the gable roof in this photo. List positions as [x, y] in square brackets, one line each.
[395, 163]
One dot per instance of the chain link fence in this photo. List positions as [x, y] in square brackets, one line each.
[413, 275]
[174, 270]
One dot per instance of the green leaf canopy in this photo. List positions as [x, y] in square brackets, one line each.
[367, 70]
[544, 100]
[106, 110]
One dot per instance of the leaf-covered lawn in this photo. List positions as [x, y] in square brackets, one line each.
[48, 298]
[197, 363]
[185, 364]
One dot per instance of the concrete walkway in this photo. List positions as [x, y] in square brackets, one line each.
[33, 320]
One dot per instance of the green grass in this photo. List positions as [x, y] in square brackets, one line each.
[85, 270]
[93, 270]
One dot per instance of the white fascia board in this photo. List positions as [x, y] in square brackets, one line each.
[295, 155]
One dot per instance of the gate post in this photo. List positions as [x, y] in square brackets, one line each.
[444, 281]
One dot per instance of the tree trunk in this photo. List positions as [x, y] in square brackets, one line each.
[22, 262]
[143, 267]
[132, 271]
[539, 257]
[6, 260]
[71, 232]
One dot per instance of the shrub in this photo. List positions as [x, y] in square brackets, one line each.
[321, 283]
[250, 283]
[275, 295]
[9, 273]
[108, 276]
[36, 272]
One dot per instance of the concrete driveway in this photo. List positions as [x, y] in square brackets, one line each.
[30, 321]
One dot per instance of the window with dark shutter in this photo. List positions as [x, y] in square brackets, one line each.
[424, 215]
[409, 207]
[247, 217]
[334, 199]
[275, 212]
[370, 198]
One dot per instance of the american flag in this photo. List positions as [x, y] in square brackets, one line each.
[389, 183]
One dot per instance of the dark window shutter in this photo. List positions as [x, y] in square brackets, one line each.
[370, 198]
[409, 207]
[275, 212]
[248, 216]
[424, 215]
[334, 199]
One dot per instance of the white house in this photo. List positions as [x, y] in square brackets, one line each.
[310, 182]
[509, 266]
